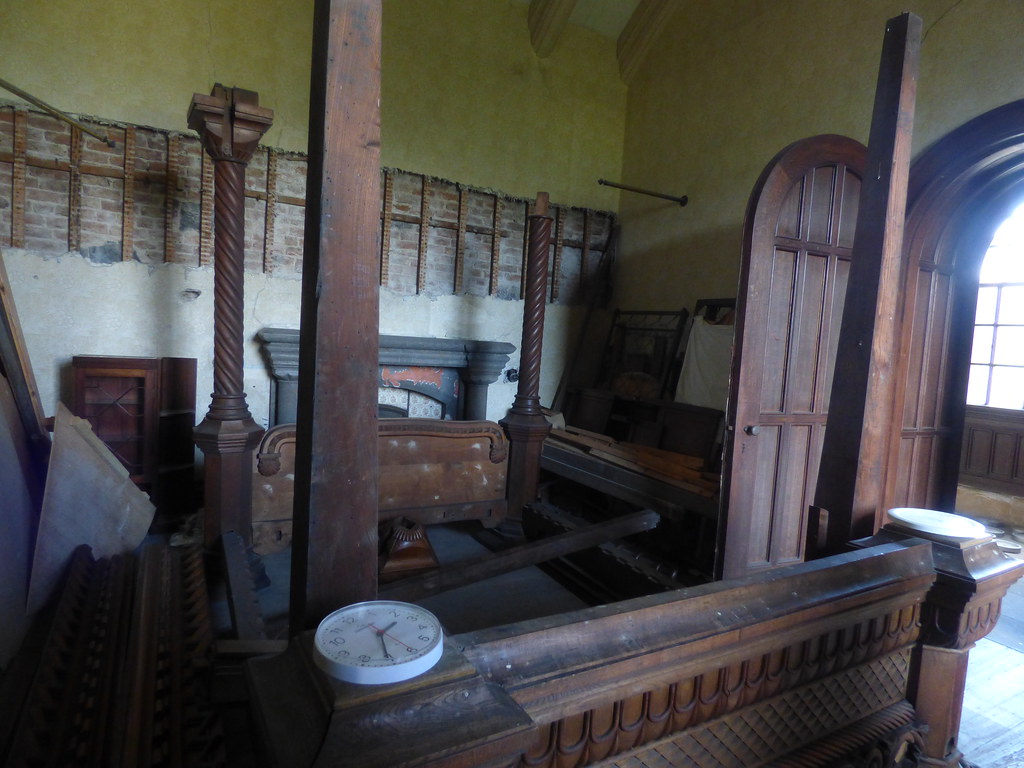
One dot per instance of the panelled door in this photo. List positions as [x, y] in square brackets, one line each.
[797, 245]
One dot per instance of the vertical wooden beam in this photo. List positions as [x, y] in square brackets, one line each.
[18, 179]
[460, 239]
[171, 186]
[854, 452]
[75, 190]
[334, 545]
[206, 197]
[128, 206]
[270, 212]
[421, 253]
[556, 268]
[499, 208]
[387, 214]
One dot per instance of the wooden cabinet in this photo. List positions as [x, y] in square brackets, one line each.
[143, 409]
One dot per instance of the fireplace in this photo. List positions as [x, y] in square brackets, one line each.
[422, 377]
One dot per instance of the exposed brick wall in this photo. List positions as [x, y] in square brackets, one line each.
[149, 198]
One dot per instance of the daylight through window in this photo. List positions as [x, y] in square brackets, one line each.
[997, 356]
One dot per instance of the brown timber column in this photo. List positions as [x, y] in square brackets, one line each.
[230, 123]
[854, 452]
[525, 423]
[334, 539]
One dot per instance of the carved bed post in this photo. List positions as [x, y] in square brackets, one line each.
[230, 123]
[525, 423]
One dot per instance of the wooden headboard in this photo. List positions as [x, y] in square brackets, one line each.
[430, 471]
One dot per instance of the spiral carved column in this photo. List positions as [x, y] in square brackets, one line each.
[230, 123]
[525, 423]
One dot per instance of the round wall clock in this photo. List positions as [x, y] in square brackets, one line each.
[379, 641]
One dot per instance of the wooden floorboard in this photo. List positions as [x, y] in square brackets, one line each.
[992, 724]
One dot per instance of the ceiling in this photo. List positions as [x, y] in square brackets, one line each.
[631, 23]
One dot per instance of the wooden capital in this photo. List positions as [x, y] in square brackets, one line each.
[230, 122]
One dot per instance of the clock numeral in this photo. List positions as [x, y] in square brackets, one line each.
[343, 652]
[424, 638]
[423, 626]
[337, 641]
[348, 620]
[410, 650]
[364, 657]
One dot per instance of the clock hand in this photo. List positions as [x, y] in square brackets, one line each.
[384, 645]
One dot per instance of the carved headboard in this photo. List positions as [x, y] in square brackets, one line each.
[430, 470]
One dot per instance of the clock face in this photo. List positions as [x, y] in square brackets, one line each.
[379, 641]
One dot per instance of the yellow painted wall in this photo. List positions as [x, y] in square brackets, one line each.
[729, 83]
[464, 97]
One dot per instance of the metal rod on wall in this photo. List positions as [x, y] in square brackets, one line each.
[55, 112]
[681, 200]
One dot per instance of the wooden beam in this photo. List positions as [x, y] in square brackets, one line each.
[547, 20]
[854, 452]
[520, 556]
[639, 33]
[334, 545]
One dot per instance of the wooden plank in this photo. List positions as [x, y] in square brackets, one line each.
[642, 490]
[499, 207]
[556, 268]
[15, 365]
[128, 205]
[175, 155]
[18, 171]
[89, 499]
[206, 211]
[460, 242]
[521, 556]
[387, 215]
[423, 248]
[854, 453]
[242, 600]
[270, 211]
[75, 191]
[334, 545]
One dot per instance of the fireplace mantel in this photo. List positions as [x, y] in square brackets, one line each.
[478, 363]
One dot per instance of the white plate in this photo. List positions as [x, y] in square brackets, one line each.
[938, 523]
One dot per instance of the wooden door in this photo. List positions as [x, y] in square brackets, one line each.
[961, 189]
[797, 244]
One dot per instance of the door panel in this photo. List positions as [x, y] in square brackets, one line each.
[793, 276]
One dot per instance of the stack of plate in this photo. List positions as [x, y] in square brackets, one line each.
[941, 525]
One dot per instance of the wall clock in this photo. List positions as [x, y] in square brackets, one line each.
[378, 641]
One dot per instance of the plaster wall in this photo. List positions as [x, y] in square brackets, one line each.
[68, 305]
[464, 96]
[728, 84]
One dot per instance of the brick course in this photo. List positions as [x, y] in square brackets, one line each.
[472, 241]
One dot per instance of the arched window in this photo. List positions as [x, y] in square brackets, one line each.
[997, 354]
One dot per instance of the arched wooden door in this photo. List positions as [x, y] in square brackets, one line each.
[797, 245]
[960, 190]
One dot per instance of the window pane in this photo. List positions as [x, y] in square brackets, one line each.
[1007, 388]
[981, 352]
[986, 305]
[977, 385]
[1011, 305]
[1009, 345]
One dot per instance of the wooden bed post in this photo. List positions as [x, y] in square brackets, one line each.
[525, 423]
[230, 123]
[854, 450]
[334, 544]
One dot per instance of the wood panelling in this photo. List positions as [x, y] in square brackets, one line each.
[993, 449]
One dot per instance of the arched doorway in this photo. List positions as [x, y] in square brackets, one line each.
[961, 189]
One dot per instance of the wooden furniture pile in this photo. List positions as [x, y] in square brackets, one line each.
[838, 662]
[117, 670]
